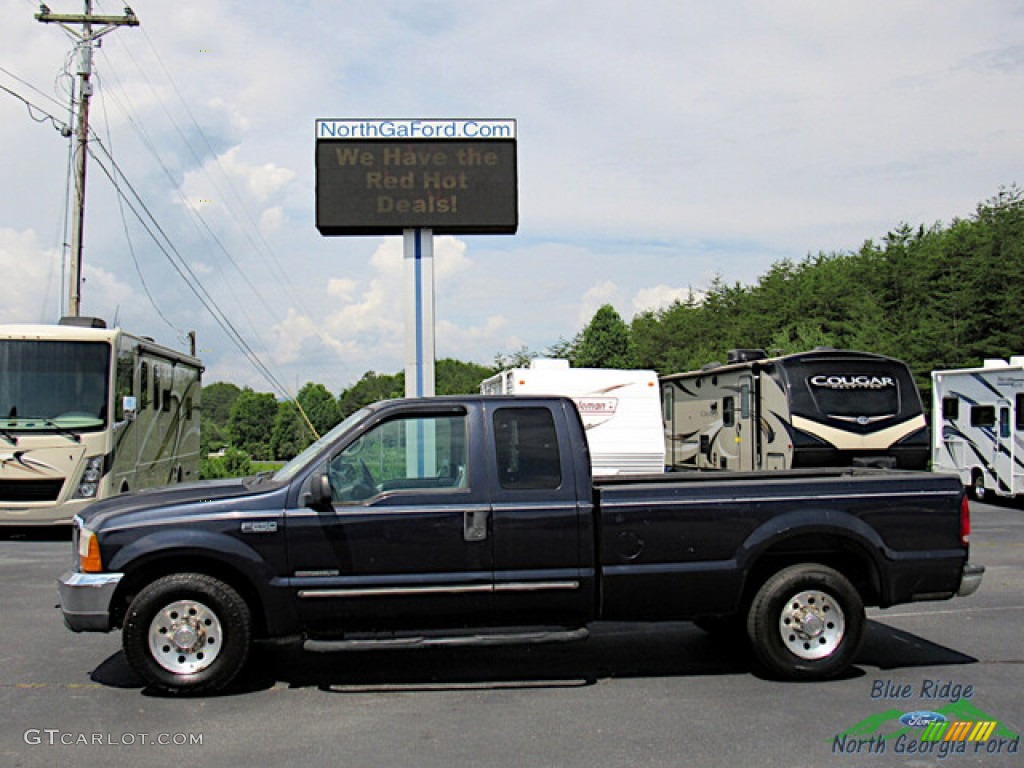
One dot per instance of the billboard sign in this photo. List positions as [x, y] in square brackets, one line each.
[382, 177]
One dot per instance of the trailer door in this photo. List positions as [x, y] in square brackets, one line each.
[747, 433]
[1002, 447]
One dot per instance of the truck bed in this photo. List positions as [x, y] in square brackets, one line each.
[687, 543]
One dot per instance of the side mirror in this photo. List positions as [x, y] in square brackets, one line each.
[319, 495]
[129, 407]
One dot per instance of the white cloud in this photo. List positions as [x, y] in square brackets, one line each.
[658, 297]
[271, 220]
[31, 278]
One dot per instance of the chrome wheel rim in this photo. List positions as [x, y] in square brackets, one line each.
[812, 625]
[185, 637]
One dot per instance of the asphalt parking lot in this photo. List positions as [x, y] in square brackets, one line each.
[631, 695]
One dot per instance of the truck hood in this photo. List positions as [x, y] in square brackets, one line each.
[183, 498]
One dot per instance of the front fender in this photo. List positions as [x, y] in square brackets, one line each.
[189, 542]
[169, 551]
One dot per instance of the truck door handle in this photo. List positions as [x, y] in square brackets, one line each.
[474, 525]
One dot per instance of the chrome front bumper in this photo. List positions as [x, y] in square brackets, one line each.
[971, 579]
[85, 600]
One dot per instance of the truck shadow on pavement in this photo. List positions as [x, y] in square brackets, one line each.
[612, 651]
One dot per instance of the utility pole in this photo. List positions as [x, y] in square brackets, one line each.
[86, 36]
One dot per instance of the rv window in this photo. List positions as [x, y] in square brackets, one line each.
[1020, 412]
[745, 401]
[950, 408]
[1004, 422]
[123, 378]
[156, 387]
[143, 386]
[728, 411]
[983, 416]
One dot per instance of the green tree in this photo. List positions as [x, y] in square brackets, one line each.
[320, 407]
[606, 342]
[211, 437]
[521, 358]
[234, 463]
[251, 422]
[369, 389]
[218, 398]
[290, 434]
[454, 377]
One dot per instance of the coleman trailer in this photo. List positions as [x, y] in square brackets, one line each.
[620, 410]
[820, 408]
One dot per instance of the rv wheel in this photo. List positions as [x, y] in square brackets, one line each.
[978, 485]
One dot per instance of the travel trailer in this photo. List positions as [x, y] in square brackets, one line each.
[620, 410]
[88, 412]
[978, 426]
[821, 408]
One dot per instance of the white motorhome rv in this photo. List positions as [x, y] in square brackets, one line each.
[820, 408]
[978, 426]
[88, 412]
[620, 410]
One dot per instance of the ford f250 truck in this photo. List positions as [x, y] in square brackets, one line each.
[476, 520]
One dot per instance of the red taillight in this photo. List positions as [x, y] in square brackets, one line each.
[965, 521]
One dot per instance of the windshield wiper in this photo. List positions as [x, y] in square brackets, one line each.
[8, 437]
[260, 477]
[68, 433]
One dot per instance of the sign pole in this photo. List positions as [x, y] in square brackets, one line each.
[419, 312]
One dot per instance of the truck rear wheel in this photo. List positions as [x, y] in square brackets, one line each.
[806, 622]
[187, 633]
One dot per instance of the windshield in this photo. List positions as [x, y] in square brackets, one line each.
[292, 467]
[53, 385]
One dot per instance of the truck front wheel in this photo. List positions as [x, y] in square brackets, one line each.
[187, 633]
[806, 622]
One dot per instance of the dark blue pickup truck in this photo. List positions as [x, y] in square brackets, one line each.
[476, 520]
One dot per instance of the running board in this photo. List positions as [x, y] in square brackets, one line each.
[451, 641]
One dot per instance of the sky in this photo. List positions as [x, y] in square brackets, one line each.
[660, 144]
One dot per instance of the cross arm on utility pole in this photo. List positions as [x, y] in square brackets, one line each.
[127, 20]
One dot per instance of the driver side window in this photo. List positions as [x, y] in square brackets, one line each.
[407, 453]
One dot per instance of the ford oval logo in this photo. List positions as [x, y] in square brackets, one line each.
[922, 718]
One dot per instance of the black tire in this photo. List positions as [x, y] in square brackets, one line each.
[978, 486]
[806, 622]
[187, 633]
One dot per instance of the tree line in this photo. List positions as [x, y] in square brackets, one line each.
[246, 425]
[939, 296]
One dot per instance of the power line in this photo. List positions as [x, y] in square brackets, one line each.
[27, 84]
[281, 275]
[61, 127]
[196, 216]
[127, 235]
[189, 277]
[180, 266]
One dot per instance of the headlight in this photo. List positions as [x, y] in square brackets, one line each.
[89, 559]
[89, 483]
